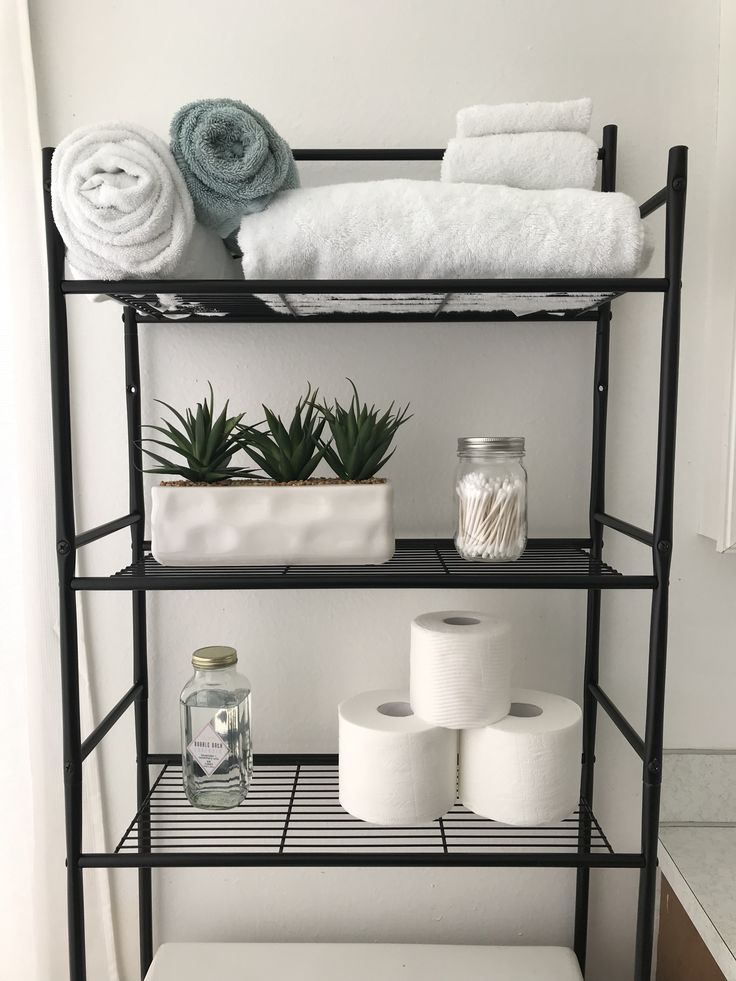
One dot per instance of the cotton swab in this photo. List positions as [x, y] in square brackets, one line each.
[492, 517]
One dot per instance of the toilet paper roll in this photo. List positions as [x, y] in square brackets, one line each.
[460, 669]
[395, 768]
[525, 769]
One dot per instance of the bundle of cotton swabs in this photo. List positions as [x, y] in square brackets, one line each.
[492, 517]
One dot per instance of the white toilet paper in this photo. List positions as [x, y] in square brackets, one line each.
[525, 769]
[395, 769]
[460, 669]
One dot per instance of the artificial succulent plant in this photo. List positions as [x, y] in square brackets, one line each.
[204, 444]
[361, 437]
[290, 453]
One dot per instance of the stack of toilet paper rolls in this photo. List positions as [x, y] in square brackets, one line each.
[518, 749]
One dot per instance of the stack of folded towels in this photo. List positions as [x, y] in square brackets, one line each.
[538, 146]
[516, 200]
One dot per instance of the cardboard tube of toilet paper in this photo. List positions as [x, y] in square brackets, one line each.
[525, 769]
[395, 768]
[460, 668]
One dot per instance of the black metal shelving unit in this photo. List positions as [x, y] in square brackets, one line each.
[292, 816]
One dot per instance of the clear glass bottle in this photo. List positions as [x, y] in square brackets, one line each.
[490, 491]
[216, 738]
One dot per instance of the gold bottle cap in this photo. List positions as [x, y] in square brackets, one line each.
[208, 658]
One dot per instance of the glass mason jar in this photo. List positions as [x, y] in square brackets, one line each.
[490, 489]
[216, 740]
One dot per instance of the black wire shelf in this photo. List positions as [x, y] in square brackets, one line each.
[292, 816]
[365, 301]
[547, 563]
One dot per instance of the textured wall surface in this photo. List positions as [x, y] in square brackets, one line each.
[336, 73]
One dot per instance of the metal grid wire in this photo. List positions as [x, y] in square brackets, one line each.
[246, 307]
[294, 808]
[415, 563]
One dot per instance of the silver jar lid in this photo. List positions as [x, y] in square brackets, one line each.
[208, 658]
[467, 445]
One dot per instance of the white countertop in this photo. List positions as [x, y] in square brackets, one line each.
[699, 862]
[360, 962]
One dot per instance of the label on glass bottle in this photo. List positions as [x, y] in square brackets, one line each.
[208, 749]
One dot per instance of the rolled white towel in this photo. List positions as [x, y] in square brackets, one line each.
[124, 211]
[535, 161]
[426, 229]
[525, 117]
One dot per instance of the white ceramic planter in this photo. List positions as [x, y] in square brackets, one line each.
[318, 524]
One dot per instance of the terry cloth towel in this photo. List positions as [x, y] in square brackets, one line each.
[124, 212]
[525, 117]
[535, 161]
[232, 159]
[317, 304]
[413, 304]
[407, 229]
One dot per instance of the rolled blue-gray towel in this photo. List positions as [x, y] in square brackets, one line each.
[232, 159]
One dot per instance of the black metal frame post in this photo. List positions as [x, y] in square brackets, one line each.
[593, 616]
[140, 647]
[66, 553]
[662, 555]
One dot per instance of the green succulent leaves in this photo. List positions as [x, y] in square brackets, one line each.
[287, 454]
[361, 438]
[205, 444]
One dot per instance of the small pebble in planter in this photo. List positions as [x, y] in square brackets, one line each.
[491, 495]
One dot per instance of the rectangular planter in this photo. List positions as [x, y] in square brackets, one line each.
[312, 524]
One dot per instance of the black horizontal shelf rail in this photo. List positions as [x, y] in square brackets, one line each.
[376, 859]
[292, 816]
[227, 287]
[377, 154]
[381, 153]
[365, 301]
[547, 563]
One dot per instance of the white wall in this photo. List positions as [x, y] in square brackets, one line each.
[336, 73]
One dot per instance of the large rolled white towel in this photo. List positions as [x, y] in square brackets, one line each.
[409, 229]
[124, 211]
[535, 161]
[525, 117]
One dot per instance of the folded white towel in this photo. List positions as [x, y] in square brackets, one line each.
[525, 117]
[316, 304]
[522, 304]
[536, 161]
[427, 229]
[124, 211]
[428, 304]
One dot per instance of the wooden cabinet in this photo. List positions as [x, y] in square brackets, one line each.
[681, 952]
